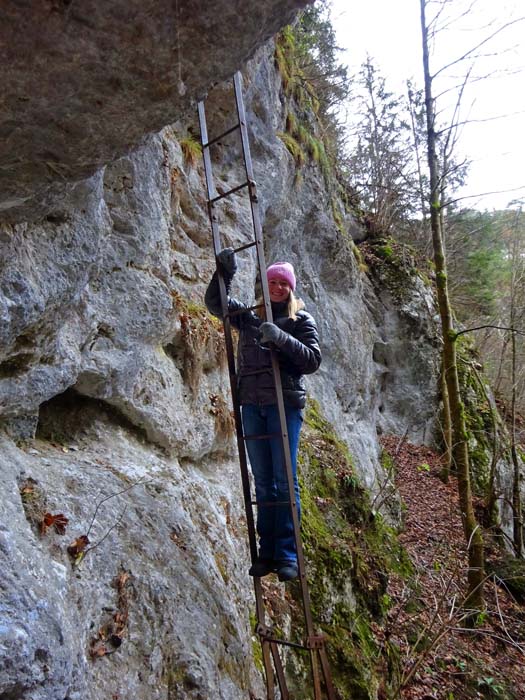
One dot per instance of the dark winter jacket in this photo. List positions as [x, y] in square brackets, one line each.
[299, 354]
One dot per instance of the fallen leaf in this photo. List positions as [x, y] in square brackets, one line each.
[58, 521]
[78, 546]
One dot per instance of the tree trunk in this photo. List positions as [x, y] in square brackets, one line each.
[474, 598]
[517, 519]
[447, 430]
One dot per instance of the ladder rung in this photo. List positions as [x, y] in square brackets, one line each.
[270, 504]
[284, 642]
[229, 192]
[221, 136]
[267, 436]
[243, 311]
[243, 247]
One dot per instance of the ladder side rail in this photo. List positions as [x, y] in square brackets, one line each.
[256, 220]
[315, 674]
[281, 678]
[275, 363]
[259, 602]
[228, 342]
[327, 674]
[268, 669]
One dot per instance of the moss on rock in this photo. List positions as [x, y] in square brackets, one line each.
[510, 573]
[349, 552]
[478, 414]
[392, 266]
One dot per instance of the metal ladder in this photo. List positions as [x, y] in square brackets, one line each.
[314, 644]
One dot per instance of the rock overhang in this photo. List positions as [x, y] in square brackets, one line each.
[84, 81]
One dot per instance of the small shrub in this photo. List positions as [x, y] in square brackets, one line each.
[191, 150]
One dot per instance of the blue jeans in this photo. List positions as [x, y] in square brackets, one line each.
[274, 523]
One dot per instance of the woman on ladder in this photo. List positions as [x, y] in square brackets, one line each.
[294, 337]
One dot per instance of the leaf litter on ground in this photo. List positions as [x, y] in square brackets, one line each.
[440, 657]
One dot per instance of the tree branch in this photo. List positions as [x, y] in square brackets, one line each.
[480, 194]
[113, 495]
[488, 325]
[475, 48]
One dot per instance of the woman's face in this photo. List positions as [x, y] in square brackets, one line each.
[279, 289]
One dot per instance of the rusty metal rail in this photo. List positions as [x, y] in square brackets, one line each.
[314, 644]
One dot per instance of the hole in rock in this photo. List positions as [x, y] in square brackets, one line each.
[69, 417]
[18, 364]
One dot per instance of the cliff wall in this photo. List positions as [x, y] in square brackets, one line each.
[112, 384]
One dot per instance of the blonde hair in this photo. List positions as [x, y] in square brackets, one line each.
[295, 304]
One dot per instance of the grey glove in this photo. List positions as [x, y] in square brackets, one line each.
[226, 259]
[270, 333]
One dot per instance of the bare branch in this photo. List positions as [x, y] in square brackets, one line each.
[480, 194]
[479, 121]
[113, 495]
[477, 79]
[488, 325]
[479, 45]
[117, 522]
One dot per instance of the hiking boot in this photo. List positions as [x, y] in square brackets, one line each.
[262, 567]
[287, 571]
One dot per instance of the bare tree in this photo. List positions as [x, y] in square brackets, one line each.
[438, 173]
[516, 315]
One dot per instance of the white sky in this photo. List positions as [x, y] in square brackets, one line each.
[389, 31]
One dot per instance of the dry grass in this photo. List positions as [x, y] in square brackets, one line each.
[224, 420]
[191, 150]
[202, 342]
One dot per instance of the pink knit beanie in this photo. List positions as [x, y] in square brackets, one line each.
[282, 270]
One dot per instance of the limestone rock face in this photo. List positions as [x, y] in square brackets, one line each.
[167, 578]
[107, 352]
[83, 82]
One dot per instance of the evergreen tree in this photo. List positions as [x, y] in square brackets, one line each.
[477, 264]
[381, 164]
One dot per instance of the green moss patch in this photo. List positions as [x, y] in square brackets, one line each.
[478, 415]
[392, 265]
[349, 552]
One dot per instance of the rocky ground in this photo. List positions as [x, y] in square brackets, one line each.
[440, 658]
